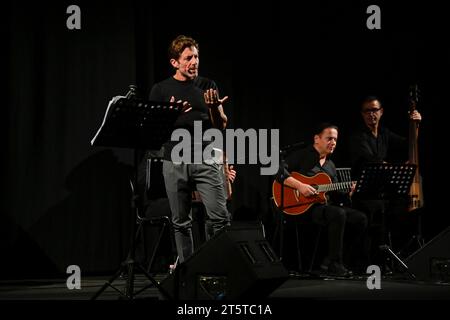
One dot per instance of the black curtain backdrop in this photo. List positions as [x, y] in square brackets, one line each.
[66, 202]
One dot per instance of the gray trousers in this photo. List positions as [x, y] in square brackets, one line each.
[209, 181]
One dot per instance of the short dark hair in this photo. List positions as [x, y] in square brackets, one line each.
[178, 45]
[324, 125]
[368, 99]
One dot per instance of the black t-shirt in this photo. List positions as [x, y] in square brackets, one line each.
[364, 147]
[306, 161]
[191, 91]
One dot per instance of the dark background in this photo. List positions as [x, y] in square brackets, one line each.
[65, 202]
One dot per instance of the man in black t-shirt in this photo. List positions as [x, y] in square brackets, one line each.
[200, 98]
[374, 143]
[335, 215]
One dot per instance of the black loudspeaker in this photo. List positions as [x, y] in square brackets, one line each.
[236, 263]
[432, 261]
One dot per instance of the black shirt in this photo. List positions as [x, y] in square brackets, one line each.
[191, 91]
[364, 147]
[306, 161]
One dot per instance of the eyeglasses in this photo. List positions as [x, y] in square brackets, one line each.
[373, 110]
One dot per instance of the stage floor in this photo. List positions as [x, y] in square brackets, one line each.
[296, 287]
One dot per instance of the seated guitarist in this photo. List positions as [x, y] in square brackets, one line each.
[334, 214]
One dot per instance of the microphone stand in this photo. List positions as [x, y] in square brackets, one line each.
[281, 207]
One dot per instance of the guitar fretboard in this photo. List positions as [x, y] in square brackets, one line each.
[338, 186]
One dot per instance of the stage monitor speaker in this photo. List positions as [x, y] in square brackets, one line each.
[237, 262]
[432, 261]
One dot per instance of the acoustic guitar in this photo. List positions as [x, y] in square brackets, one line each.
[294, 203]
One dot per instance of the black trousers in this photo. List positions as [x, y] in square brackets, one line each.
[388, 220]
[337, 219]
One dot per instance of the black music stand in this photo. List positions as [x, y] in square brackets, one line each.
[130, 122]
[384, 181]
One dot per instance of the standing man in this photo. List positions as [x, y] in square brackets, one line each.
[374, 143]
[201, 102]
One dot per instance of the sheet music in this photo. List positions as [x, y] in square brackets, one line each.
[111, 102]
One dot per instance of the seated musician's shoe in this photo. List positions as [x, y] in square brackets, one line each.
[334, 268]
[386, 270]
[339, 270]
[325, 264]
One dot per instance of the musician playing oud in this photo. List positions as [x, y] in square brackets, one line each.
[333, 214]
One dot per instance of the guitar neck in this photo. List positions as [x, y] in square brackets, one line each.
[338, 186]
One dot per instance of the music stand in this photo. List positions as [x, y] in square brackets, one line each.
[384, 181]
[130, 122]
